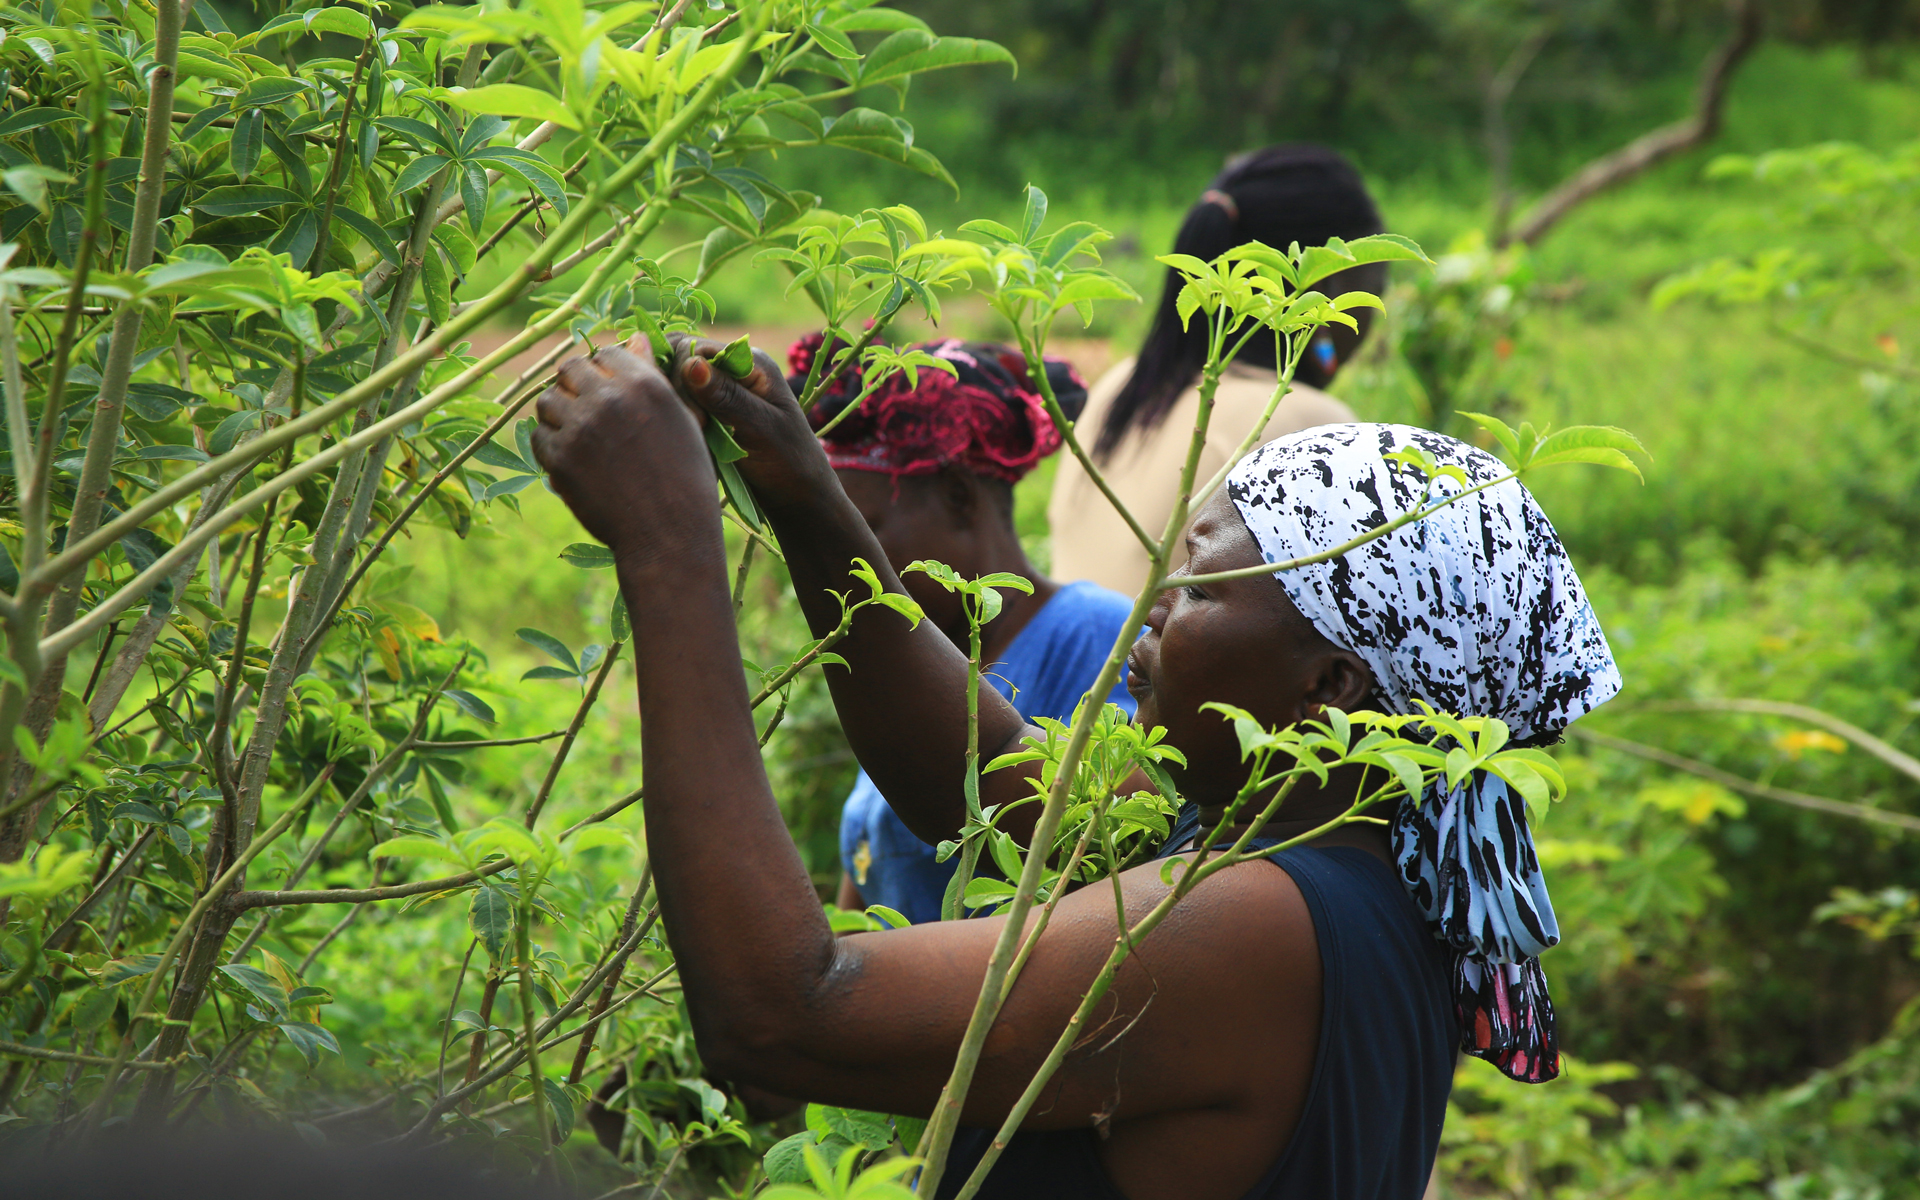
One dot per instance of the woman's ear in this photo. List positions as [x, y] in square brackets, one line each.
[1342, 680]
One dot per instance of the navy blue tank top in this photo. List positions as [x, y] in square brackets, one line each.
[1381, 1074]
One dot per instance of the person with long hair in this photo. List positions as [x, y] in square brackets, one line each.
[1290, 1029]
[1140, 414]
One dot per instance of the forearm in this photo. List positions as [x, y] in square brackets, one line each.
[739, 909]
[902, 696]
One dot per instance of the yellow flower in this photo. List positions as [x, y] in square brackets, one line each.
[1798, 741]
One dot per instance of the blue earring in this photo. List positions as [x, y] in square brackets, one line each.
[1325, 355]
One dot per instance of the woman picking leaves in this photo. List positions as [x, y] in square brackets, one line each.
[1285, 1032]
[930, 460]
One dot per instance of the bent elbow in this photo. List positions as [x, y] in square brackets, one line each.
[745, 1048]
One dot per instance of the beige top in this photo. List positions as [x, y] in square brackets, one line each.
[1090, 540]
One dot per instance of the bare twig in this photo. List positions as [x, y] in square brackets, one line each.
[573, 731]
[1697, 128]
[1840, 808]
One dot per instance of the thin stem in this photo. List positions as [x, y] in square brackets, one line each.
[740, 575]
[65, 929]
[956, 898]
[632, 939]
[453, 1004]
[1123, 944]
[339, 927]
[937, 1140]
[535, 1079]
[16, 1050]
[317, 262]
[490, 744]
[573, 732]
[103, 435]
[1404, 519]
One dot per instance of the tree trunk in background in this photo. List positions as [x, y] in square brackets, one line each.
[1698, 128]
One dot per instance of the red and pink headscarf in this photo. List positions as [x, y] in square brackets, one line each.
[989, 420]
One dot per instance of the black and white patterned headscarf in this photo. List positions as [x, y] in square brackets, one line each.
[1477, 611]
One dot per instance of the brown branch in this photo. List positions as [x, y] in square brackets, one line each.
[1841, 808]
[1900, 761]
[491, 743]
[397, 891]
[57, 940]
[1697, 128]
[572, 732]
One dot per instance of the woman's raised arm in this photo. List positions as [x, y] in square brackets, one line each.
[902, 696]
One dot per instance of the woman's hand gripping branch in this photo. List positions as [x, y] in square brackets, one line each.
[902, 696]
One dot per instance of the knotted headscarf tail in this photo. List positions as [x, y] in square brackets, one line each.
[1476, 610]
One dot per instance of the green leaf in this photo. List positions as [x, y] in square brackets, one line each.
[833, 41]
[537, 172]
[545, 672]
[421, 134]
[268, 91]
[892, 918]
[589, 556]
[474, 190]
[621, 623]
[561, 1102]
[309, 1039]
[873, 132]
[29, 182]
[514, 100]
[419, 171]
[244, 199]
[720, 245]
[507, 487]
[982, 892]
[1035, 215]
[992, 229]
[1603, 444]
[737, 492]
[713, 1101]
[249, 135]
[1501, 431]
[554, 647]
[33, 118]
[93, 1008]
[369, 229]
[436, 281]
[496, 455]
[259, 984]
[131, 967]
[911, 51]
[850, 1125]
[471, 704]
[490, 917]
[786, 1163]
[228, 431]
[737, 361]
[1318, 262]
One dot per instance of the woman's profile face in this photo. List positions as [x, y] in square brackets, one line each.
[1241, 642]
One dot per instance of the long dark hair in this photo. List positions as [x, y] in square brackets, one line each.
[1298, 192]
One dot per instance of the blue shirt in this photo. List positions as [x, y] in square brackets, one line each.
[1046, 669]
